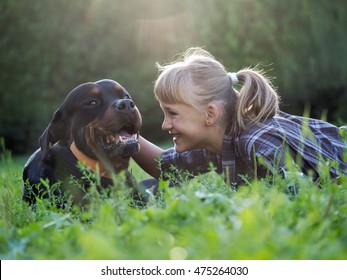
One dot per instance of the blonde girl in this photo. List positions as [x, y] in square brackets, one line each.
[240, 132]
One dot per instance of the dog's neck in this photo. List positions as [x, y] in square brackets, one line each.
[92, 164]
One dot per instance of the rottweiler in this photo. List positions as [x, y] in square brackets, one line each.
[98, 125]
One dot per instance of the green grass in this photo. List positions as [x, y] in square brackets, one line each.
[204, 219]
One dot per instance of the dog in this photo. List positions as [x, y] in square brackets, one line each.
[98, 125]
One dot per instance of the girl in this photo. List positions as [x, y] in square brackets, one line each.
[239, 132]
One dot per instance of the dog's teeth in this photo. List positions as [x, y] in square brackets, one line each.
[120, 139]
[110, 139]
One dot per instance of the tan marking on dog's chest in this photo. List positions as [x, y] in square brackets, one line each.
[92, 164]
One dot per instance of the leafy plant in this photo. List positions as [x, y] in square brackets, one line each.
[201, 219]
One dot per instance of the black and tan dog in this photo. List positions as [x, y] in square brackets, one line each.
[97, 124]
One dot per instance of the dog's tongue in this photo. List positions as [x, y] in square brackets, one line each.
[123, 133]
[125, 136]
[120, 137]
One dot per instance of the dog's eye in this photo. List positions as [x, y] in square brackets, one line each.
[92, 103]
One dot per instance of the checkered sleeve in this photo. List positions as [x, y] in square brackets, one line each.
[194, 161]
[302, 142]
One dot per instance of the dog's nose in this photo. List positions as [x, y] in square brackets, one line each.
[125, 105]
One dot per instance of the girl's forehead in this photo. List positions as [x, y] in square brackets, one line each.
[176, 106]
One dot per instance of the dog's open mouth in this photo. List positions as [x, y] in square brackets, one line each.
[121, 143]
[110, 141]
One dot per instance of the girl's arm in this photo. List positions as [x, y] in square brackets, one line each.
[147, 157]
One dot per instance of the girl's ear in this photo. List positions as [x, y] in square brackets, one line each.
[213, 114]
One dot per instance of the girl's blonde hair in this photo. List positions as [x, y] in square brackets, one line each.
[198, 79]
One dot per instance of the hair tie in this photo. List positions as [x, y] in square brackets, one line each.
[233, 78]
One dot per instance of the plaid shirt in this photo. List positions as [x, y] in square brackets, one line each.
[269, 146]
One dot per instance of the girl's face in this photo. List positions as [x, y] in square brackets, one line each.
[186, 125]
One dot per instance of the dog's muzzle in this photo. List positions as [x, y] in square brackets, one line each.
[123, 143]
[116, 133]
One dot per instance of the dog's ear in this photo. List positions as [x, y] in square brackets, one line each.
[55, 131]
[60, 124]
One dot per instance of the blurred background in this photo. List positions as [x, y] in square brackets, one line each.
[48, 47]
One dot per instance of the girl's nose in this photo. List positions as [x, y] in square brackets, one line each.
[166, 125]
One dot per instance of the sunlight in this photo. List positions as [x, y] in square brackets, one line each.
[162, 35]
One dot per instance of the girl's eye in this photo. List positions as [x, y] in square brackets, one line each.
[172, 113]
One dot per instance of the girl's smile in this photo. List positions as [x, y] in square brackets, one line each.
[175, 136]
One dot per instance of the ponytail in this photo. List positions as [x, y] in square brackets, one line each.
[257, 99]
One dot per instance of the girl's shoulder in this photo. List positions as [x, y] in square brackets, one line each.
[268, 134]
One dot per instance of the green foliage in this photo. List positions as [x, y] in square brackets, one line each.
[202, 219]
[48, 47]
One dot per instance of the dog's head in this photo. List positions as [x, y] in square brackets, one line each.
[102, 120]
